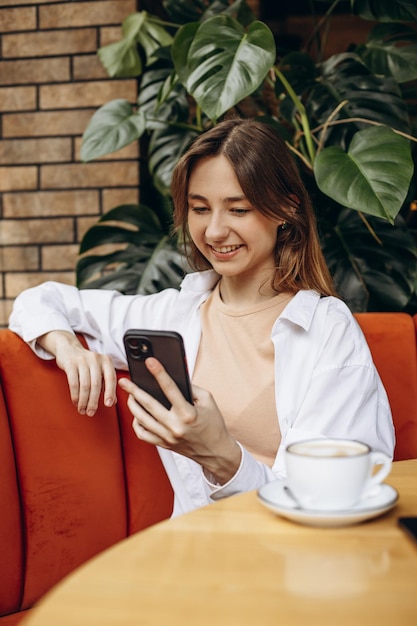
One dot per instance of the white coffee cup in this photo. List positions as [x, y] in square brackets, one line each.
[333, 474]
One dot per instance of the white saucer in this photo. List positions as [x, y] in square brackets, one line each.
[273, 496]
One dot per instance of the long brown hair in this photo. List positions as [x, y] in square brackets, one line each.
[270, 180]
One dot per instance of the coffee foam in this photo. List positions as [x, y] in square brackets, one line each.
[328, 449]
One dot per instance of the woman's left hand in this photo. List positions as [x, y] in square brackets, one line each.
[197, 431]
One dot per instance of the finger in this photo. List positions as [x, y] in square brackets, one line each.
[140, 400]
[90, 388]
[73, 384]
[109, 382]
[155, 430]
[144, 435]
[164, 380]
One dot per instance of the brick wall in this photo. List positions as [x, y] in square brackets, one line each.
[51, 82]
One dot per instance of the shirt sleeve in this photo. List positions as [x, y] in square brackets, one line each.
[340, 393]
[251, 474]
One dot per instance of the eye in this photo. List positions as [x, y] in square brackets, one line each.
[198, 209]
[239, 211]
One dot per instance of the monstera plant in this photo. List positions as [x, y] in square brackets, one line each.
[349, 120]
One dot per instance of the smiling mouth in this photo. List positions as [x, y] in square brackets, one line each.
[225, 249]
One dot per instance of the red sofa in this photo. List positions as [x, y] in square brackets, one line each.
[70, 486]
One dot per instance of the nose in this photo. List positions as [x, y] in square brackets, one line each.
[217, 228]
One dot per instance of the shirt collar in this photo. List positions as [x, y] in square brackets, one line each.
[301, 309]
[200, 282]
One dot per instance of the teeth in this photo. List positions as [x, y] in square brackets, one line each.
[224, 249]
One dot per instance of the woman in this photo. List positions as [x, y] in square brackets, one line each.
[273, 354]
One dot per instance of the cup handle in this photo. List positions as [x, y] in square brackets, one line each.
[378, 458]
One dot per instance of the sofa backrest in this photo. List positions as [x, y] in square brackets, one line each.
[70, 486]
[392, 341]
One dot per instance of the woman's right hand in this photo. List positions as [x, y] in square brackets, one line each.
[87, 372]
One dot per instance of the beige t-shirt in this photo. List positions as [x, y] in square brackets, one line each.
[235, 363]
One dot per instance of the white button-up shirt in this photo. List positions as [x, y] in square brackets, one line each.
[326, 384]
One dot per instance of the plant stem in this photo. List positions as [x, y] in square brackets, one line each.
[301, 109]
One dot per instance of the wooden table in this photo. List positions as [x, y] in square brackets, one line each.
[236, 563]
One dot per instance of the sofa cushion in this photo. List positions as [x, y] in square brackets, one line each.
[392, 341]
[70, 472]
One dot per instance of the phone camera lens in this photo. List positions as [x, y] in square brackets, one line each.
[139, 348]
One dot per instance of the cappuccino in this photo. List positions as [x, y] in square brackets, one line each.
[333, 474]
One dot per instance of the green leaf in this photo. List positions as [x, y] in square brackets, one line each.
[345, 78]
[371, 274]
[112, 127]
[129, 250]
[162, 99]
[183, 11]
[220, 63]
[165, 148]
[386, 10]
[151, 37]
[181, 47]
[372, 177]
[165, 267]
[391, 50]
[121, 59]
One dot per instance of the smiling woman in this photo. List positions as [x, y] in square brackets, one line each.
[274, 356]
[227, 169]
[235, 238]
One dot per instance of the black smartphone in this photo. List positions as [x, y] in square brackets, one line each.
[409, 524]
[168, 348]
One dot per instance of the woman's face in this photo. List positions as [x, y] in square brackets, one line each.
[228, 231]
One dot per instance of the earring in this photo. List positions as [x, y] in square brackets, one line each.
[284, 226]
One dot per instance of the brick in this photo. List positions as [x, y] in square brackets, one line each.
[56, 258]
[34, 71]
[20, 258]
[51, 203]
[46, 44]
[17, 282]
[20, 232]
[109, 34]
[22, 18]
[88, 67]
[94, 94]
[74, 14]
[115, 197]
[90, 175]
[84, 224]
[10, 3]
[46, 123]
[17, 98]
[5, 310]
[15, 178]
[129, 152]
[14, 151]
